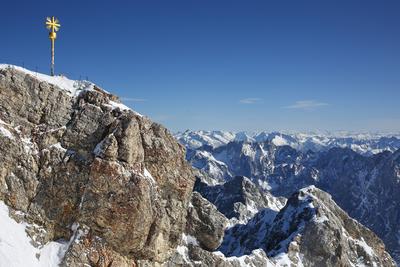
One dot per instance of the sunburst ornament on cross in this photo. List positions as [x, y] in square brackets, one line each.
[53, 25]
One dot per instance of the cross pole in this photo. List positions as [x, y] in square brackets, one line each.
[53, 25]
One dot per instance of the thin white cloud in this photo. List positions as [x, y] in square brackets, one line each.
[307, 105]
[131, 99]
[251, 100]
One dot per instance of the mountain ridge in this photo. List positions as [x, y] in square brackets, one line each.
[367, 143]
[366, 186]
[86, 181]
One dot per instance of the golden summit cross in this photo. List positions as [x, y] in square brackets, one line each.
[53, 25]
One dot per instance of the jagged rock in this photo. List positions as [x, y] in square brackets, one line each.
[120, 206]
[205, 223]
[27, 101]
[108, 148]
[312, 230]
[71, 154]
[91, 250]
[127, 133]
[242, 239]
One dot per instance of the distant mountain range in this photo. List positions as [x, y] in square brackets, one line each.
[362, 173]
[363, 143]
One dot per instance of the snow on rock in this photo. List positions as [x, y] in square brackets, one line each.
[239, 199]
[311, 230]
[73, 87]
[37, 107]
[279, 141]
[197, 139]
[148, 175]
[98, 150]
[189, 240]
[59, 147]
[184, 253]
[255, 259]
[5, 132]
[29, 146]
[121, 106]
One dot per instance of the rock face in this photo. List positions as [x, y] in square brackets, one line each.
[71, 154]
[205, 223]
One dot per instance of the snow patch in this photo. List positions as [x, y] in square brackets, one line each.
[283, 260]
[365, 246]
[321, 219]
[58, 146]
[279, 141]
[99, 148]
[148, 175]
[184, 252]
[121, 106]
[29, 146]
[6, 133]
[71, 86]
[16, 249]
[188, 239]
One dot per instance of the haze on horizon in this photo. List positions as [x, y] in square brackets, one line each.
[225, 65]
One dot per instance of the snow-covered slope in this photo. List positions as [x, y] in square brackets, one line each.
[18, 249]
[73, 87]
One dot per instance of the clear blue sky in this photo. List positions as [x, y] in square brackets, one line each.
[229, 65]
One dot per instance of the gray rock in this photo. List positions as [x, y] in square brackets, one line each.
[78, 159]
[205, 223]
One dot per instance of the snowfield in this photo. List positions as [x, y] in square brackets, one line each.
[16, 249]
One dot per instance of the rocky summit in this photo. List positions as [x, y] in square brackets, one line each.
[79, 166]
[86, 181]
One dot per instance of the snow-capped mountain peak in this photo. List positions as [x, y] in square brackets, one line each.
[363, 143]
